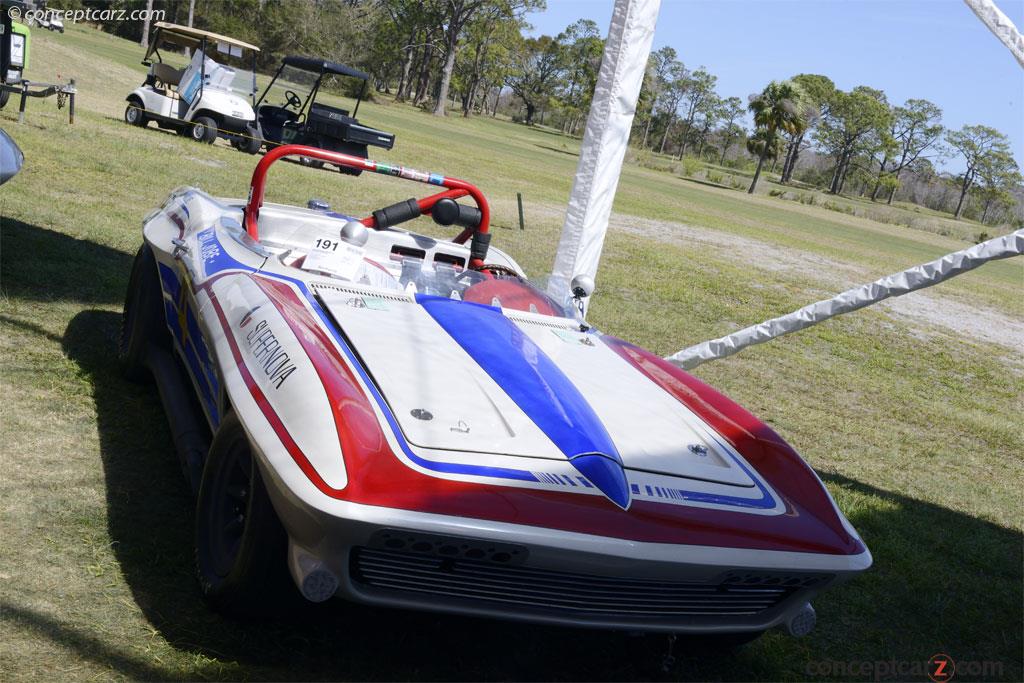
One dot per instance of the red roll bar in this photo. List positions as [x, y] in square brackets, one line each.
[456, 188]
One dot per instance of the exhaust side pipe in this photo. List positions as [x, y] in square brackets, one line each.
[314, 580]
[801, 622]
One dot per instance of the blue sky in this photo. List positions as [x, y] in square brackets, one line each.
[932, 49]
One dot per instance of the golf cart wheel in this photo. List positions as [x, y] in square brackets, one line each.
[203, 129]
[241, 547]
[356, 151]
[312, 163]
[252, 142]
[134, 115]
[142, 322]
[4, 96]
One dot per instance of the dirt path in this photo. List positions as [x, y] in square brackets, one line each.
[929, 306]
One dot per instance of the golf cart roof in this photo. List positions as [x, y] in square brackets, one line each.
[322, 65]
[192, 37]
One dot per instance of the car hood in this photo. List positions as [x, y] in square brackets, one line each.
[468, 378]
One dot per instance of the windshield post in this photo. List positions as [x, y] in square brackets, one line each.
[202, 69]
[266, 91]
[362, 91]
[312, 93]
[153, 48]
[252, 93]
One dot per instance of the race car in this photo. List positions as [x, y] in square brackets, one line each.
[407, 422]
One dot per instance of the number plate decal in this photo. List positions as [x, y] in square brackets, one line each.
[334, 257]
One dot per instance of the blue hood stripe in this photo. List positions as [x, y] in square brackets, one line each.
[537, 386]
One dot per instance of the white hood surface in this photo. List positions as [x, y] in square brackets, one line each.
[445, 399]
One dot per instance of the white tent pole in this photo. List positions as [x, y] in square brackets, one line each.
[897, 284]
[604, 142]
[1000, 25]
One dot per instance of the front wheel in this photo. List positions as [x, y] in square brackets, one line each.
[241, 547]
[142, 322]
[134, 115]
[204, 129]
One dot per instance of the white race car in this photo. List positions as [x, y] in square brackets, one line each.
[402, 421]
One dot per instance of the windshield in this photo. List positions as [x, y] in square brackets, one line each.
[227, 67]
[335, 91]
[415, 276]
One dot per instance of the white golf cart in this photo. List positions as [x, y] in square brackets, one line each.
[199, 97]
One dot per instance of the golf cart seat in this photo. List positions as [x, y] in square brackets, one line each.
[274, 119]
[167, 74]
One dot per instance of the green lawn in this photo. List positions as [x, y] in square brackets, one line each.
[915, 429]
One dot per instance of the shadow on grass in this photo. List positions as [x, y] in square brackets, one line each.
[942, 582]
[556, 149]
[83, 644]
[708, 183]
[45, 265]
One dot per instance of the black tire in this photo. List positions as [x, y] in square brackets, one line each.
[252, 143]
[356, 151]
[311, 162]
[135, 114]
[4, 96]
[203, 129]
[241, 548]
[142, 322]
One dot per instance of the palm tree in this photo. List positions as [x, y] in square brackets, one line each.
[760, 145]
[779, 107]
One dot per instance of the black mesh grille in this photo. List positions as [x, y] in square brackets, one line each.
[538, 589]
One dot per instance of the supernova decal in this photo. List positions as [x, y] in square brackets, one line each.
[265, 348]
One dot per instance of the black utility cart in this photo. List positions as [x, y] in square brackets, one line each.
[288, 118]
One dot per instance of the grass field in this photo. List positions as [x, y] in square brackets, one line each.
[914, 426]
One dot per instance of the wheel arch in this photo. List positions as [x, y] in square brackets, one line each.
[209, 113]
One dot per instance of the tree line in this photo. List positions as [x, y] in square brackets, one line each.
[477, 57]
[877, 147]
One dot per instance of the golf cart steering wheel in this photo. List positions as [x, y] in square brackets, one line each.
[475, 223]
[292, 100]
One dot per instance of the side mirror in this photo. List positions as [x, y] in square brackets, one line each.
[582, 286]
[11, 157]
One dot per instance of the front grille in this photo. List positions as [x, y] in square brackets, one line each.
[549, 591]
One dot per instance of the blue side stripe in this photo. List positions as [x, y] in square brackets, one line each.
[170, 281]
